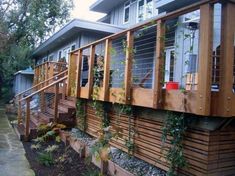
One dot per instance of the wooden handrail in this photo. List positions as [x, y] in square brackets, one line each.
[44, 88]
[65, 63]
[41, 83]
[167, 16]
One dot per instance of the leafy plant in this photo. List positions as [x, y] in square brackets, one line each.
[46, 158]
[81, 114]
[51, 148]
[174, 130]
[35, 146]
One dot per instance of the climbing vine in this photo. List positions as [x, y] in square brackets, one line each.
[81, 114]
[174, 130]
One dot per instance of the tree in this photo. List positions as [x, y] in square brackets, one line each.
[25, 24]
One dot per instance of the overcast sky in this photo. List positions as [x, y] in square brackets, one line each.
[81, 10]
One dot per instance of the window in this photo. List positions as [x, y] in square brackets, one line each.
[51, 57]
[169, 64]
[126, 12]
[73, 47]
[145, 10]
[59, 54]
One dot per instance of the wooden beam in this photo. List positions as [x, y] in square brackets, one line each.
[91, 71]
[27, 128]
[227, 60]
[128, 67]
[205, 60]
[108, 46]
[56, 102]
[72, 74]
[158, 69]
[78, 75]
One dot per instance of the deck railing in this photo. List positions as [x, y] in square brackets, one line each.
[47, 70]
[135, 66]
[44, 100]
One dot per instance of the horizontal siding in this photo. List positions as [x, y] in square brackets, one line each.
[207, 152]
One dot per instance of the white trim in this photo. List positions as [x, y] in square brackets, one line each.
[124, 10]
[59, 56]
[144, 10]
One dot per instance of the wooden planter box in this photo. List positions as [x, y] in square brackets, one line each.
[64, 135]
[83, 150]
[78, 146]
[116, 170]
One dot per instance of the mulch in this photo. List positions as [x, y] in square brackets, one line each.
[72, 165]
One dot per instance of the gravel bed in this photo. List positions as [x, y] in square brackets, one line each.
[134, 165]
[85, 138]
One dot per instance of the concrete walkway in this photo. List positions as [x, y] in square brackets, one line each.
[12, 155]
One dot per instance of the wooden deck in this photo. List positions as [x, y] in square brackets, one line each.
[201, 101]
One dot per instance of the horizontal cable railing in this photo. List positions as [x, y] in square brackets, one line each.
[39, 85]
[41, 101]
[142, 65]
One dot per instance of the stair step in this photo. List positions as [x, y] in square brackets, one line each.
[68, 103]
[71, 99]
[51, 111]
[66, 108]
[45, 117]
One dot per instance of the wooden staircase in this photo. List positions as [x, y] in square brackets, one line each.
[66, 116]
[44, 103]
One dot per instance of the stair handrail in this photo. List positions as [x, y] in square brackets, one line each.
[37, 85]
[28, 99]
[44, 88]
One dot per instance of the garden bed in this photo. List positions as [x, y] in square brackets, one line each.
[66, 161]
[120, 163]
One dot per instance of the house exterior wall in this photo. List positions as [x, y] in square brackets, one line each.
[180, 46]
[22, 82]
[81, 39]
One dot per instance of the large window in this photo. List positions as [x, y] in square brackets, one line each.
[145, 9]
[126, 12]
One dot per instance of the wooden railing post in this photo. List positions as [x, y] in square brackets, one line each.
[91, 71]
[128, 67]
[227, 60]
[56, 102]
[27, 130]
[64, 90]
[108, 46]
[78, 75]
[19, 114]
[72, 74]
[51, 71]
[46, 70]
[158, 69]
[205, 60]
[42, 102]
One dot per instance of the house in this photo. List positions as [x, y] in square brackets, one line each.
[173, 56]
[23, 80]
[72, 36]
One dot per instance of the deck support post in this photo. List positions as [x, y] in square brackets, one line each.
[227, 60]
[108, 45]
[128, 67]
[78, 75]
[91, 71]
[71, 87]
[158, 69]
[27, 122]
[56, 102]
[205, 60]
